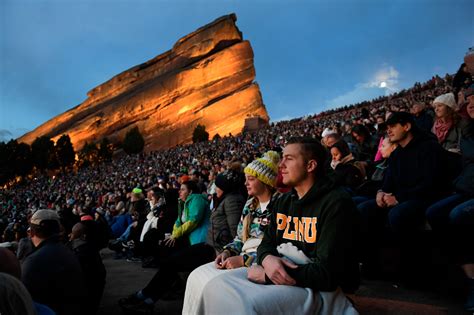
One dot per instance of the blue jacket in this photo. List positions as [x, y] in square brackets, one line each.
[119, 224]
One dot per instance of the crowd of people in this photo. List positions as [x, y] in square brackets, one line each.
[307, 203]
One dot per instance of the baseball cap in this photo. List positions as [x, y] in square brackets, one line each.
[44, 215]
[400, 118]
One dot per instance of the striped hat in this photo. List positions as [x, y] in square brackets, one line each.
[265, 168]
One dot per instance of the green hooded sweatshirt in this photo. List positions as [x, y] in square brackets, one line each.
[324, 225]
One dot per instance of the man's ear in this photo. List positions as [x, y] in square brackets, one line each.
[311, 166]
[407, 127]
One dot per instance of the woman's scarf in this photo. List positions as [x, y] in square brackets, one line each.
[344, 160]
[441, 129]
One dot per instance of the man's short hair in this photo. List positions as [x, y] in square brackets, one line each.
[45, 229]
[312, 150]
[423, 105]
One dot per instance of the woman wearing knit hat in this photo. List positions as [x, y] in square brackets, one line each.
[260, 181]
[448, 126]
[228, 208]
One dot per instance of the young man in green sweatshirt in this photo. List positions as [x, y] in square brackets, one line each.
[318, 218]
[309, 243]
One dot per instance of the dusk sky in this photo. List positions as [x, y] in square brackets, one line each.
[309, 55]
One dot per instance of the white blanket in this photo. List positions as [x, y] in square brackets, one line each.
[213, 291]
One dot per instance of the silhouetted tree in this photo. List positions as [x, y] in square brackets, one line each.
[42, 150]
[89, 155]
[65, 152]
[200, 134]
[15, 160]
[216, 137]
[106, 150]
[133, 142]
[23, 163]
[6, 168]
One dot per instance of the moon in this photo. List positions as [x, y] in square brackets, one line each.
[383, 84]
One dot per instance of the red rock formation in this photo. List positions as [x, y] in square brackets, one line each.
[207, 78]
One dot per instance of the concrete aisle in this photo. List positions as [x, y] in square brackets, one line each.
[124, 278]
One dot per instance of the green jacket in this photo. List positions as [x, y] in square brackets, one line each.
[324, 225]
[196, 212]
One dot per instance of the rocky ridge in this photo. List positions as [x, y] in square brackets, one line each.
[206, 78]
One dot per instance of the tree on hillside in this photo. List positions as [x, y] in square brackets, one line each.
[23, 162]
[89, 155]
[200, 134]
[6, 168]
[42, 150]
[64, 152]
[133, 142]
[106, 150]
[15, 160]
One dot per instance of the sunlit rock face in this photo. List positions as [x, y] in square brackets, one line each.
[207, 78]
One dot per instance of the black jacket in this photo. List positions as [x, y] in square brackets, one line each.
[418, 171]
[348, 175]
[224, 220]
[464, 183]
[93, 270]
[53, 277]
[328, 224]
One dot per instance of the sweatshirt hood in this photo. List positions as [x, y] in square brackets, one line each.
[322, 186]
[195, 196]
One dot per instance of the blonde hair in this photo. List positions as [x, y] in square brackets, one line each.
[248, 219]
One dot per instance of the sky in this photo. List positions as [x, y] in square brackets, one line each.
[310, 56]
